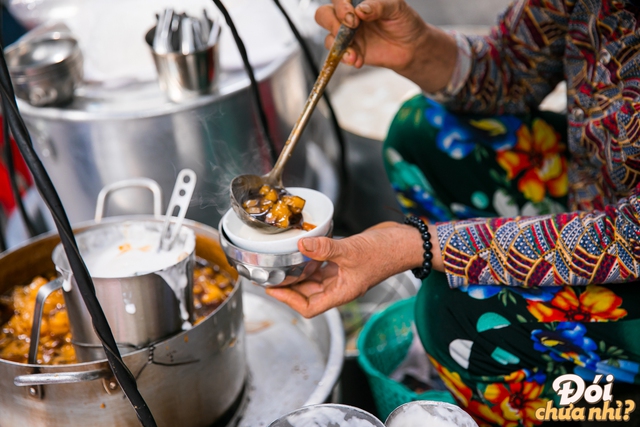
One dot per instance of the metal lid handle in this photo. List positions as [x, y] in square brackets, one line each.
[147, 183]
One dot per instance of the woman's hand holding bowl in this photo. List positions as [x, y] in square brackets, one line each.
[353, 265]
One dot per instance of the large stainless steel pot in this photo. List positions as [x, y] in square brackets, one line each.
[108, 134]
[192, 379]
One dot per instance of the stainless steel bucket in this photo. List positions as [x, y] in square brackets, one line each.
[183, 77]
[141, 309]
[192, 379]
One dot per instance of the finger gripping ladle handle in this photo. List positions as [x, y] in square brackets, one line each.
[345, 34]
[341, 43]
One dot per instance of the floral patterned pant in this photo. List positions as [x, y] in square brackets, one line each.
[498, 349]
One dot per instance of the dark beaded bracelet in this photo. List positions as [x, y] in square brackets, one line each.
[422, 272]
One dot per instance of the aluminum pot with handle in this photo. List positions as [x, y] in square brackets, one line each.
[141, 307]
[195, 378]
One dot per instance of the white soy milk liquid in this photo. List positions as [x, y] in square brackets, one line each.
[128, 257]
[137, 253]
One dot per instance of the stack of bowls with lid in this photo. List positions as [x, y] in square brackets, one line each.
[46, 66]
[274, 259]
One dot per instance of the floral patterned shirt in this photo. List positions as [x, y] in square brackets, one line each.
[594, 46]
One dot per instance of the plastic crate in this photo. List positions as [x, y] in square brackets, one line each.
[383, 345]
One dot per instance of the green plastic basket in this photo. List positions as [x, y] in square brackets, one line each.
[383, 345]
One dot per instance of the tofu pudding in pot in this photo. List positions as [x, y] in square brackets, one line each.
[133, 256]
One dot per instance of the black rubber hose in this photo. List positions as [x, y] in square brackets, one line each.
[313, 66]
[83, 279]
[255, 89]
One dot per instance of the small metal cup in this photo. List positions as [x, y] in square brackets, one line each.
[184, 77]
[140, 309]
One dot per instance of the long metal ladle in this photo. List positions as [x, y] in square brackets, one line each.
[41, 297]
[243, 185]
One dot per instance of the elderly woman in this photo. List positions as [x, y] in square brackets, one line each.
[536, 285]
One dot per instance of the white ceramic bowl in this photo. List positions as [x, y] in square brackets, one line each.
[318, 211]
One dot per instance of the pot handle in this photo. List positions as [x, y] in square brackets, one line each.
[147, 183]
[61, 377]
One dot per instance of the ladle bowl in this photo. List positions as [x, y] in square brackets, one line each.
[241, 187]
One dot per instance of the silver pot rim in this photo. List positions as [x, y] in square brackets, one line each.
[63, 70]
[103, 224]
[43, 69]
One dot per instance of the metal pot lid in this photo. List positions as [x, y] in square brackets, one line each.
[367, 100]
[42, 55]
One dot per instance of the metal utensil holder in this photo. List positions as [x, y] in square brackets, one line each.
[182, 77]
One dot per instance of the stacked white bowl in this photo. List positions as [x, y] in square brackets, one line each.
[274, 259]
[318, 210]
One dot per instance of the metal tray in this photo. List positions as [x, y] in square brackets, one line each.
[293, 361]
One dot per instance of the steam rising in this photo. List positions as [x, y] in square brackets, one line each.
[228, 158]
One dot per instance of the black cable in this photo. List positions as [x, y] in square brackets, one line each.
[255, 89]
[83, 279]
[313, 66]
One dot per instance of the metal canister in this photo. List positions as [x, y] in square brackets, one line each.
[135, 127]
[45, 70]
[140, 308]
[186, 76]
